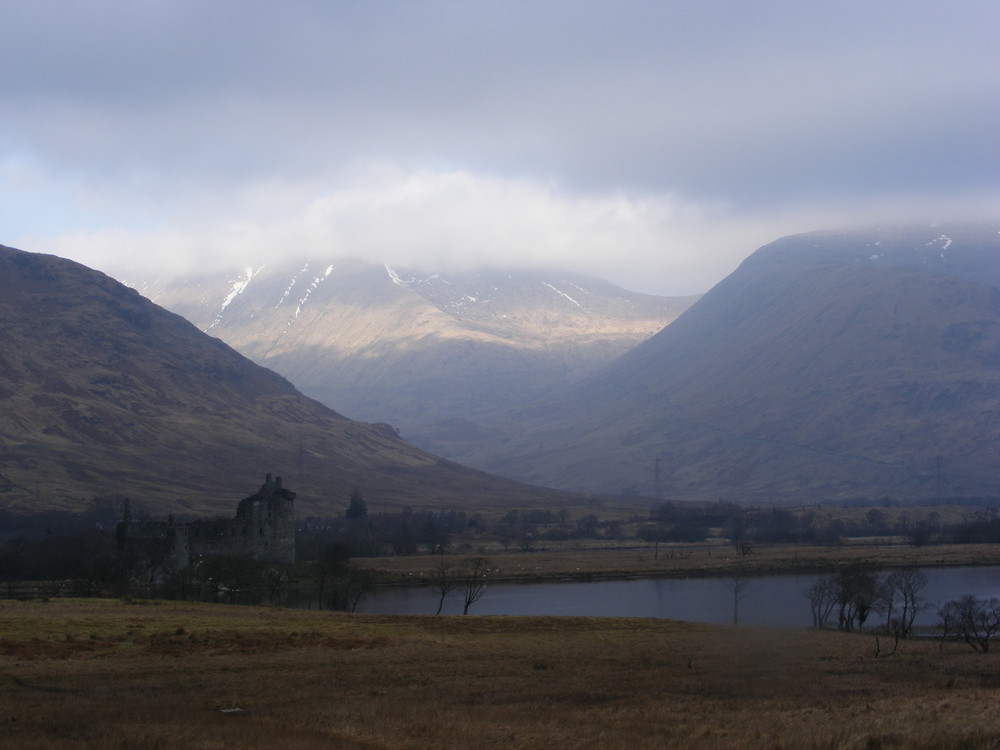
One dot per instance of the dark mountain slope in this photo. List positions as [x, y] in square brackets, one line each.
[104, 392]
[829, 365]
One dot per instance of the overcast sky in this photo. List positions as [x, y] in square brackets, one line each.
[654, 143]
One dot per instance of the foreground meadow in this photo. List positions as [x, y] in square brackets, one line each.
[109, 674]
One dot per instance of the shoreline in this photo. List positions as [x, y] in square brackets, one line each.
[576, 564]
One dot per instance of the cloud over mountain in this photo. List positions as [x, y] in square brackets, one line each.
[670, 135]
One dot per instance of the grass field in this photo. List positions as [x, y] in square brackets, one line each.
[108, 674]
[586, 559]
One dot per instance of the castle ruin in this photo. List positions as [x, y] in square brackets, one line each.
[263, 530]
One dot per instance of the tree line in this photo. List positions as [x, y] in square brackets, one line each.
[27, 549]
[742, 524]
[855, 595]
[81, 548]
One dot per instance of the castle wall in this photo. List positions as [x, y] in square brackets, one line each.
[266, 528]
[263, 530]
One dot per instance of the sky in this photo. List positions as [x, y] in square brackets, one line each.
[652, 143]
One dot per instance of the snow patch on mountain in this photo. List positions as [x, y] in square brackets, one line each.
[398, 280]
[310, 289]
[291, 285]
[151, 290]
[395, 276]
[943, 238]
[238, 285]
[562, 294]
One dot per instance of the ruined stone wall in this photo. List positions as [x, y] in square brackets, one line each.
[263, 530]
[265, 523]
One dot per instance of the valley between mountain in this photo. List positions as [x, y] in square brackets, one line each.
[836, 365]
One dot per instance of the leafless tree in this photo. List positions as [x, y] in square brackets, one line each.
[476, 572]
[857, 588]
[876, 522]
[822, 597]
[900, 601]
[342, 584]
[331, 566]
[444, 582]
[739, 585]
[273, 582]
[973, 620]
[357, 584]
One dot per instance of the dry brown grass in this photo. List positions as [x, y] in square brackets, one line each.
[588, 560]
[100, 674]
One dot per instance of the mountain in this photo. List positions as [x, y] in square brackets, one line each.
[103, 392]
[427, 352]
[829, 365]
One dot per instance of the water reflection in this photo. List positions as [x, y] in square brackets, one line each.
[767, 601]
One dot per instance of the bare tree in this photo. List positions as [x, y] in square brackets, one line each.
[340, 583]
[476, 572]
[822, 597]
[948, 614]
[899, 599]
[876, 522]
[973, 620]
[331, 566]
[357, 583]
[857, 588]
[444, 582]
[739, 584]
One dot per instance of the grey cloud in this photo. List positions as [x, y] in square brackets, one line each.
[591, 91]
[761, 107]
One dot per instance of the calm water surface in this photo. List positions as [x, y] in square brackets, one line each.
[767, 600]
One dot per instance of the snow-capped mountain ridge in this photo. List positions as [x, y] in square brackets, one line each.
[934, 249]
[412, 348]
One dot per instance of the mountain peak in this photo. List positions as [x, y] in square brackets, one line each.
[829, 365]
[417, 348]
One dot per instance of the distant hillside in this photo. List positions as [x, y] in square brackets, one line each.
[103, 392]
[426, 352]
[829, 365]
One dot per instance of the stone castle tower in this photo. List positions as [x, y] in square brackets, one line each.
[266, 523]
[263, 530]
